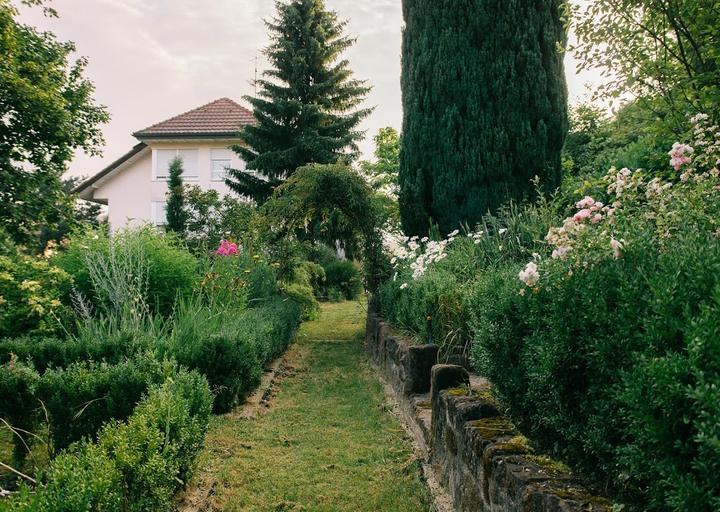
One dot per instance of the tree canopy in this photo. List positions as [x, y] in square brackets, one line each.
[46, 113]
[307, 107]
[329, 203]
[664, 53]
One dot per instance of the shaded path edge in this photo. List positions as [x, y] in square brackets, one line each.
[441, 501]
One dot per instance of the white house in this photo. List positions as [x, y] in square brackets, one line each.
[134, 187]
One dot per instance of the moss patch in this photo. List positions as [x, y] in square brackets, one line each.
[491, 428]
[549, 464]
[574, 493]
[516, 444]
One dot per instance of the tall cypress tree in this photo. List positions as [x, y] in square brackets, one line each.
[175, 211]
[307, 105]
[485, 106]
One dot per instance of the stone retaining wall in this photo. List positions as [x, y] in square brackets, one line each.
[478, 457]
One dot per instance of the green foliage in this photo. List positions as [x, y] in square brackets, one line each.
[167, 270]
[48, 112]
[225, 282]
[34, 297]
[176, 214]
[43, 353]
[211, 219]
[436, 308]
[307, 105]
[611, 359]
[230, 348]
[484, 100]
[596, 143]
[382, 174]
[300, 286]
[329, 203]
[84, 479]
[134, 466]
[665, 54]
[342, 279]
[18, 406]
[79, 399]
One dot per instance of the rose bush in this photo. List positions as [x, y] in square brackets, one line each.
[602, 332]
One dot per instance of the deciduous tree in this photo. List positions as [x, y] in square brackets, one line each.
[46, 113]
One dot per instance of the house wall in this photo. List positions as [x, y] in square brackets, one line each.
[131, 191]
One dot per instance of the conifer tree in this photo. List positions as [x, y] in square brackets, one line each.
[484, 99]
[307, 108]
[176, 214]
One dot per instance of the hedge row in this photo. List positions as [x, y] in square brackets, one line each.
[133, 466]
[229, 350]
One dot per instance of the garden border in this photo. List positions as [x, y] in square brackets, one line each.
[477, 457]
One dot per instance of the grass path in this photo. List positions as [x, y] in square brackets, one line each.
[328, 442]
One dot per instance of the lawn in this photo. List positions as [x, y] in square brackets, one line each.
[328, 442]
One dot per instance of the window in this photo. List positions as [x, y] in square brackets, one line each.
[159, 213]
[163, 158]
[221, 160]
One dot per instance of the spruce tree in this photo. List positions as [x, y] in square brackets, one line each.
[176, 214]
[484, 99]
[307, 108]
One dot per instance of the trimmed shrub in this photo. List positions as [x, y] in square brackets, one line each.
[231, 348]
[83, 479]
[273, 327]
[79, 399]
[155, 450]
[34, 297]
[48, 352]
[17, 403]
[134, 466]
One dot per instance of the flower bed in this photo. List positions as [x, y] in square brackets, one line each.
[126, 360]
[605, 341]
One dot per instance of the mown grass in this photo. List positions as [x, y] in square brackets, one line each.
[328, 442]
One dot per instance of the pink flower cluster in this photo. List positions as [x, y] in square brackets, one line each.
[589, 212]
[680, 155]
[530, 276]
[227, 249]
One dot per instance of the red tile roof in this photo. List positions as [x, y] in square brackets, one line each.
[220, 117]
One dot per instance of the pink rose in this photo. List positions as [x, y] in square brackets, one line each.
[582, 215]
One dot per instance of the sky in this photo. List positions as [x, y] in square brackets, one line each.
[153, 59]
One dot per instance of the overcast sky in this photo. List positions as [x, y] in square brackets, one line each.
[153, 59]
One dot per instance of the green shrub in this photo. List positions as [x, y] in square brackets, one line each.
[83, 479]
[231, 348]
[34, 297]
[154, 451]
[47, 352]
[79, 399]
[341, 278]
[607, 352]
[273, 327]
[18, 405]
[169, 270]
[134, 466]
[224, 283]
